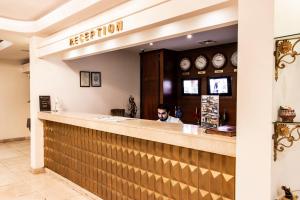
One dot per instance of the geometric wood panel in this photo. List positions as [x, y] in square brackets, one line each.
[119, 167]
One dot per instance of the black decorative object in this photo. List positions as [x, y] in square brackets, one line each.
[132, 107]
[287, 192]
[45, 103]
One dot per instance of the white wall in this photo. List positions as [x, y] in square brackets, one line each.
[120, 78]
[286, 92]
[254, 100]
[52, 76]
[120, 72]
[287, 17]
[14, 109]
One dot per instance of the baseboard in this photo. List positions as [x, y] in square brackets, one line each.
[38, 170]
[14, 139]
[74, 186]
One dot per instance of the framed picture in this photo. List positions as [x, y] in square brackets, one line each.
[84, 79]
[96, 79]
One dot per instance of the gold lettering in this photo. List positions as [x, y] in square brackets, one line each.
[81, 39]
[71, 42]
[119, 26]
[99, 31]
[92, 34]
[104, 30]
[76, 40]
[87, 36]
[111, 28]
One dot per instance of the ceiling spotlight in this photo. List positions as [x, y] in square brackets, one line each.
[151, 43]
[206, 42]
[189, 36]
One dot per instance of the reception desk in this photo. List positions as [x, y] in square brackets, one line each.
[121, 158]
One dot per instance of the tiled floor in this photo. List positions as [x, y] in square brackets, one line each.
[18, 183]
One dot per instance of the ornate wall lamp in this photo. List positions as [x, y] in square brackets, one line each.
[285, 53]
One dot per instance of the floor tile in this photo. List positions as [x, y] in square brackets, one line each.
[18, 183]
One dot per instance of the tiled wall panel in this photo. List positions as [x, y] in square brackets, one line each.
[125, 168]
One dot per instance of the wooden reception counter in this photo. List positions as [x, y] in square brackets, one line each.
[121, 158]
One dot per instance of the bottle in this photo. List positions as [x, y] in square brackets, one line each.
[224, 118]
[197, 116]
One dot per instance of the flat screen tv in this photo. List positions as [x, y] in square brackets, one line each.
[190, 87]
[219, 86]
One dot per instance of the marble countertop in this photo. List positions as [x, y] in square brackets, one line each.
[185, 135]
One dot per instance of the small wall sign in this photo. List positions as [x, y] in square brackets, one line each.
[185, 73]
[201, 72]
[220, 71]
[45, 103]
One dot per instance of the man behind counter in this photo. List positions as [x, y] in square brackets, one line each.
[163, 113]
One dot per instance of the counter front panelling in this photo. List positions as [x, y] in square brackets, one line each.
[120, 167]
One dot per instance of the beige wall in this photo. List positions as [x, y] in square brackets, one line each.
[14, 109]
[120, 78]
[254, 100]
[287, 92]
[120, 72]
[52, 76]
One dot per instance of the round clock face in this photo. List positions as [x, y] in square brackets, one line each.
[218, 60]
[234, 59]
[201, 62]
[185, 64]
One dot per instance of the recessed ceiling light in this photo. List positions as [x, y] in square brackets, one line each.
[151, 44]
[207, 42]
[189, 36]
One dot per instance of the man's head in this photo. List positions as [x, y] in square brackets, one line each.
[163, 112]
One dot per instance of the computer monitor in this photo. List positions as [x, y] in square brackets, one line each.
[219, 86]
[190, 87]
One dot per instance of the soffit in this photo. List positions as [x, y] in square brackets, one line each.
[28, 10]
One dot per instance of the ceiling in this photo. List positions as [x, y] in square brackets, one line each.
[28, 10]
[221, 36]
[20, 42]
[37, 11]
[19, 48]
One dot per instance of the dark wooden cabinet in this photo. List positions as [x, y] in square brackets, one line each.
[161, 81]
[158, 81]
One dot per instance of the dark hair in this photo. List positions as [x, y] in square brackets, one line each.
[164, 107]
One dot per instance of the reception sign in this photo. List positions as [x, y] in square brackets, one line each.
[96, 33]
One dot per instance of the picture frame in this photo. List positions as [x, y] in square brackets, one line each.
[96, 79]
[85, 79]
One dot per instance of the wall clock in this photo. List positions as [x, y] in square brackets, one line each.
[218, 60]
[234, 58]
[201, 62]
[185, 64]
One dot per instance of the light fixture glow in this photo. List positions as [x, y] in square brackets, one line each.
[151, 43]
[189, 36]
[5, 44]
